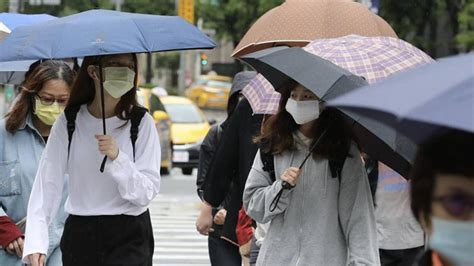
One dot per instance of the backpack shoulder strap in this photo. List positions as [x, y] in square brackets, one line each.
[136, 116]
[336, 165]
[268, 164]
[70, 112]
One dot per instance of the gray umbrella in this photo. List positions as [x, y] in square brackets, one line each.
[328, 81]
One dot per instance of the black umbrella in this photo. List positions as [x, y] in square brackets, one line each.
[328, 81]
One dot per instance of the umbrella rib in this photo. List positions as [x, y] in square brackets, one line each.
[141, 33]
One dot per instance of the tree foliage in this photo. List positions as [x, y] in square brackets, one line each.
[465, 38]
[68, 7]
[429, 24]
[232, 18]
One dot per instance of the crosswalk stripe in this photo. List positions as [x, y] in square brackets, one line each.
[176, 240]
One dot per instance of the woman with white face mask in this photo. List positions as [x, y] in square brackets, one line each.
[442, 195]
[23, 136]
[324, 219]
[109, 222]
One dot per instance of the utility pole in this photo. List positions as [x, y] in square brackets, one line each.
[197, 60]
[118, 5]
[184, 9]
[13, 6]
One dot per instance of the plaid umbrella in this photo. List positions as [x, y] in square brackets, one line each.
[261, 95]
[374, 58]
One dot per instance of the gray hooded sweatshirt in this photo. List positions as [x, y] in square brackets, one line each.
[319, 222]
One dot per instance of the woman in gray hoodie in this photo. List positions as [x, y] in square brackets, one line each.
[326, 217]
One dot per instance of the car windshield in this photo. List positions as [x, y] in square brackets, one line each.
[218, 84]
[183, 113]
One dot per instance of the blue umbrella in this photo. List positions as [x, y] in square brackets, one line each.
[101, 32]
[422, 101]
[13, 20]
[13, 72]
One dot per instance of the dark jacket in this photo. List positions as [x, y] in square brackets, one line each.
[232, 162]
[206, 154]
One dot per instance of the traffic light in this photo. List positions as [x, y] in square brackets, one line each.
[204, 60]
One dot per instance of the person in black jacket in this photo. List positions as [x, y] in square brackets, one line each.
[231, 165]
[211, 219]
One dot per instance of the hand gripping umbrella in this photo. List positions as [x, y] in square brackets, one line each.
[101, 32]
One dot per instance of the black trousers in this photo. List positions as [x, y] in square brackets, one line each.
[399, 257]
[222, 252]
[108, 240]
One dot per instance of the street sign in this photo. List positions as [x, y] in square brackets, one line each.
[186, 10]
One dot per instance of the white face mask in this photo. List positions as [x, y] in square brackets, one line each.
[453, 240]
[118, 80]
[303, 111]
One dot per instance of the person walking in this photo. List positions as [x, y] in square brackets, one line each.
[210, 221]
[109, 222]
[327, 217]
[442, 194]
[400, 236]
[23, 135]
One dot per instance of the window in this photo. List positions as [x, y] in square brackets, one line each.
[184, 113]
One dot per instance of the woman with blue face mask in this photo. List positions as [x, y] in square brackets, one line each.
[109, 222]
[326, 217]
[23, 136]
[442, 195]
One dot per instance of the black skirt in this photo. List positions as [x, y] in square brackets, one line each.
[108, 240]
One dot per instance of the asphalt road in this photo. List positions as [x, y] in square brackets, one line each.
[174, 213]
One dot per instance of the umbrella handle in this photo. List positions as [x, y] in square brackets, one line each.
[287, 185]
[102, 166]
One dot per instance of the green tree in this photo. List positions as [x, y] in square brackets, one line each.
[232, 18]
[465, 38]
[69, 7]
[429, 24]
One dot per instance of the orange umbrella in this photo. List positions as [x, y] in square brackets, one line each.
[298, 22]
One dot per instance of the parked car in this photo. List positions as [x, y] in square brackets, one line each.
[162, 123]
[210, 91]
[189, 126]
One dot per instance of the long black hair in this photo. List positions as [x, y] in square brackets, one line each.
[277, 131]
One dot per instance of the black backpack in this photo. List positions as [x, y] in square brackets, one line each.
[136, 116]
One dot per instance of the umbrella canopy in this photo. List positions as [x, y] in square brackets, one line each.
[261, 95]
[374, 58]
[4, 30]
[101, 32]
[298, 22]
[13, 20]
[327, 81]
[422, 101]
[13, 72]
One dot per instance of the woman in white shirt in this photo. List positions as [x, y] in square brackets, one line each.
[109, 223]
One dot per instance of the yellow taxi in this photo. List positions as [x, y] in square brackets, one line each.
[210, 91]
[189, 126]
[153, 103]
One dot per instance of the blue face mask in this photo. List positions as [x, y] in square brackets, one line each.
[454, 240]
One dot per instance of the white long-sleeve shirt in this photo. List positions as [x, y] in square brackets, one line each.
[125, 187]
